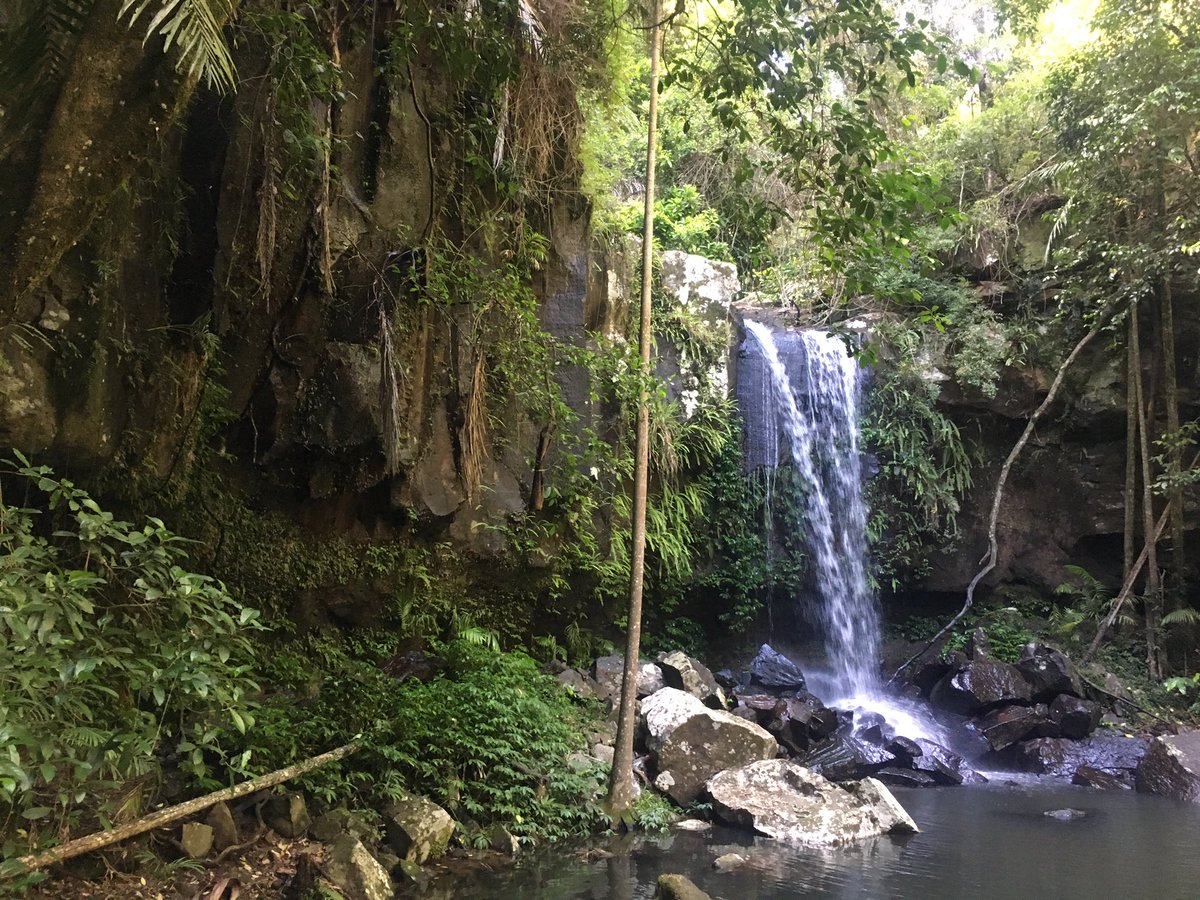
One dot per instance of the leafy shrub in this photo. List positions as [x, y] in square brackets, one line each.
[489, 739]
[112, 655]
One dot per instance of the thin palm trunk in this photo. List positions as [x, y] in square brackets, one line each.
[622, 791]
[1131, 449]
[1153, 603]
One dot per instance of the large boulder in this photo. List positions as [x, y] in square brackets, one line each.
[708, 742]
[943, 765]
[1049, 673]
[1171, 767]
[775, 671]
[784, 800]
[1074, 718]
[981, 685]
[356, 873]
[848, 754]
[1005, 726]
[610, 670]
[1114, 754]
[683, 673]
[417, 829]
[664, 711]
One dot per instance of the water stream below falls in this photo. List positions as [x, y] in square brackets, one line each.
[991, 842]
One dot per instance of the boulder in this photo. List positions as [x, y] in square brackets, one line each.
[609, 670]
[581, 684]
[727, 862]
[944, 766]
[664, 711]
[1114, 754]
[417, 829]
[332, 825]
[979, 686]
[784, 800]
[847, 755]
[775, 671]
[225, 831]
[706, 743]
[1099, 779]
[1049, 673]
[1074, 718]
[683, 673]
[1171, 767]
[1005, 726]
[678, 887]
[197, 840]
[288, 815]
[356, 873]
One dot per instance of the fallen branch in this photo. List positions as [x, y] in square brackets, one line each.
[102, 839]
[998, 498]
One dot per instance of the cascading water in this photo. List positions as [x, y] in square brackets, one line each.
[815, 403]
[822, 428]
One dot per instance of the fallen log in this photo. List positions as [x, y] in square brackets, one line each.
[101, 839]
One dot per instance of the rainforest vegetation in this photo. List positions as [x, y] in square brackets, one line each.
[318, 364]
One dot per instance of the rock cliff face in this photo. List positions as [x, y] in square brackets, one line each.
[297, 326]
[1064, 501]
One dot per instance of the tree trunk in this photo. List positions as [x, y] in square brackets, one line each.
[1153, 603]
[1132, 361]
[622, 790]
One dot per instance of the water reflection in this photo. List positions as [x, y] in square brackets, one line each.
[985, 842]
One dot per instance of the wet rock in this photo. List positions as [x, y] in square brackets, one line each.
[784, 800]
[847, 754]
[683, 673]
[197, 840]
[417, 829]
[706, 743]
[943, 765]
[1099, 779]
[1066, 814]
[980, 686]
[692, 825]
[1049, 673]
[1171, 767]
[1005, 726]
[225, 831]
[775, 671]
[979, 648]
[727, 862]
[927, 675]
[678, 887]
[287, 815]
[905, 777]
[1074, 718]
[904, 749]
[356, 873]
[664, 711]
[1113, 754]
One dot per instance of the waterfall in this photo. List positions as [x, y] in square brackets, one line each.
[819, 415]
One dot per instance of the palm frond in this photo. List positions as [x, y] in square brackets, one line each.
[195, 29]
[1184, 616]
[35, 51]
[1060, 222]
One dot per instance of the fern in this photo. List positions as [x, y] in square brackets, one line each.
[194, 28]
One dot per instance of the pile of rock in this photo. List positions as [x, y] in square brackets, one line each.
[1035, 716]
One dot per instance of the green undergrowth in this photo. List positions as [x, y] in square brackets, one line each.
[489, 739]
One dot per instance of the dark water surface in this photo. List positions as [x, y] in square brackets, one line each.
[982, 842]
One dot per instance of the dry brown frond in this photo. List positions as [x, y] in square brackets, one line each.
[473, 437]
